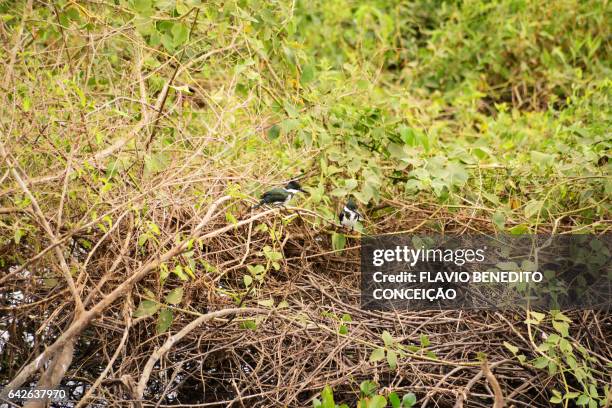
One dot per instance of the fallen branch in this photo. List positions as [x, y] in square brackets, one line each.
[497, 392]
[466, 391]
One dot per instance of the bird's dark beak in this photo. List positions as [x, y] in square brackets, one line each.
[303, 191]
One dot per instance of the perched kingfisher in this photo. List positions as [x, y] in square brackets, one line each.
[280, 196]
[349, 214]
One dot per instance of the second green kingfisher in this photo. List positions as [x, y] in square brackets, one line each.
[349, 214]
[280, 196]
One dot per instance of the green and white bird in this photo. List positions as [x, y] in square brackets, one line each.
[349, 214]
[280, 196]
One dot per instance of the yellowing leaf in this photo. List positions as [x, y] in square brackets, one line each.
[377, 355]
[175, 296]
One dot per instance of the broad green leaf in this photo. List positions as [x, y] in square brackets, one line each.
[146, 308]
[392, 359]
[178, 271]
[266, 302]
[377, 355]
[457, 174]
[27, 104]
[327, 398]
[540, 362]
[542, 159]
[274, 132]
[180, 34]
[387, 338]
[409, 400]
[394, 400]
[582, 400]
[164, 320]
[368, 388]
[175, 296]
[308, 74]
[338, 241]
[144, 7]
[19, 233]
[537, 316]
[499, 220]
[424, 340]
[249, 324]
[377, 401]
[511, 347]
[533, 207]
[507, 266]
[561, 327]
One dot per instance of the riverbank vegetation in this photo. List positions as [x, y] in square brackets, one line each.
[135, 135]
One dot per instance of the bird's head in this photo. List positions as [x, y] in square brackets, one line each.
[294, 187]
[351, 204]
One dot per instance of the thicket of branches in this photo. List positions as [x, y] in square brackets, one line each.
[136, 135]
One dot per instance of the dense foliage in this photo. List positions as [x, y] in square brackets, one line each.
[495, 114]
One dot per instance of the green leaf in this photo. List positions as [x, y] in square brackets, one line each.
[19, 233]
[27, 104]
[507, 266]
[338, 241]
[387, 338]
[556, 398]
[343, 330]
[537, 316]
[499, 220]
[266, 302]
[256, 269]
[175, 296]
[164, 320]
[424, 340]
[377, 401]
[368, 388]
[248, 280]
[178, 271]
[144, 7]
[457, 174]
[528, 265]
[392, 359]
[249, 324]
[231, 218]
[542, 159]
[377, 355]
[308, 74]
[394, 400]
[519, 229]
[561, 327]
[510, 347]
[327, 397]
[146, 308]
[582, 400]
[274, 132]
[180, 34]
[409, 400]
[540, 362]
[533, 207]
